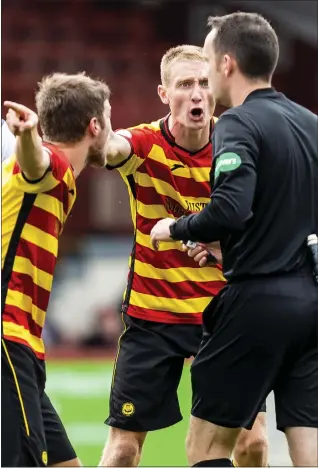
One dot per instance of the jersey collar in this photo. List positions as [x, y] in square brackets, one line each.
[164, 127]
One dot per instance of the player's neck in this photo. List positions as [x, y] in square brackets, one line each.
[189, 139]
[75, 153]
[244, 87]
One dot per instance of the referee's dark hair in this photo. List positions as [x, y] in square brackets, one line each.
[250, 39]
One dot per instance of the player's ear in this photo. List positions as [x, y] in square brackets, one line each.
[94, 126]
[229, 64]
[163, 94]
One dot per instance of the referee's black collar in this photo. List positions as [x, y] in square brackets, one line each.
[261, 93]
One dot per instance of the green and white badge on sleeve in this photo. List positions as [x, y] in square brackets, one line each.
[227, 162]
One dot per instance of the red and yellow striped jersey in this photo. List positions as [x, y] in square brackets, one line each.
[33, 216]
[165, 180]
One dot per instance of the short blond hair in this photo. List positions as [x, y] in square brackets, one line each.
[177, 54]
[67, 103]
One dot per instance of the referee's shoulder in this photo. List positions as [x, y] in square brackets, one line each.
[244, 114]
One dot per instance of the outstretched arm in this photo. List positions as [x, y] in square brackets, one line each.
[118, 149]
[31, 157]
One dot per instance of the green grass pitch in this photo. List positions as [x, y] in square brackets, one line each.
[80, 389]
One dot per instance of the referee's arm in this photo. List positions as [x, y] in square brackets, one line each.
[233, 177]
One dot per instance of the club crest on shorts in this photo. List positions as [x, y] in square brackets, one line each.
[128, 409]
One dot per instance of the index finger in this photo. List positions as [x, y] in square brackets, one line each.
[20, 108]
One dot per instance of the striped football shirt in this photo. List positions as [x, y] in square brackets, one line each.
[33, 216]
[165, 180]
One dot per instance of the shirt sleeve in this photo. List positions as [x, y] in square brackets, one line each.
[233, 178]
[140, 139]
[59, 171]
[7, 141]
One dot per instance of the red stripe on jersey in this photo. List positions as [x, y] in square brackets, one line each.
[165, 259]
[59, 162]
[15, 315]
[180, 290]
[145, 224]
[164, 316]
[60, 192]
[187, 187]
[16, 168]
[24, 284]
[41, 258]
[45, 221]
[15, 339]
[149, 196]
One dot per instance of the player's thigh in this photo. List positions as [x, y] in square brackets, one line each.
[303, 445]
[229, 385]
[146, 376]
[59, 448]
[23, 417]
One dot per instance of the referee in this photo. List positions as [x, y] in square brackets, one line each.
[263, 327]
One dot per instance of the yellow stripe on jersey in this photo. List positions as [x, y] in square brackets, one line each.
[176, 275]
[136, 159]
[199, 174]
[186, 306]
[39, 277]
[18, 331]
[144, 240]
[51, 205]
[40, 238]
[68, 178]
[164, 188]
[152, 211]
[24, 302]
[155, 125]
[48, 182]
[131, 165]
[157, 154]
[7, 167]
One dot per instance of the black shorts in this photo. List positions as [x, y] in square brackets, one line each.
[260, 335]
[32, 432]
[147, 374]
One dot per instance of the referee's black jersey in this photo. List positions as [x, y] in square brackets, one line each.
[264, 175]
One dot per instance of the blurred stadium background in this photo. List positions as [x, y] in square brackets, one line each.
[122, 42]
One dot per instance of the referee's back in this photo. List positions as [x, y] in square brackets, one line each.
[285, 208]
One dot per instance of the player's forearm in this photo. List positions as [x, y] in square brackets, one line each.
[117, 150]
[201, 227]
[215, 221]
[31, 158]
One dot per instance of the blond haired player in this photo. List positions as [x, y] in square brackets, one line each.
[166, 166]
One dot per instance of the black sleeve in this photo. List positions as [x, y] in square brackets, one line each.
[233, 180]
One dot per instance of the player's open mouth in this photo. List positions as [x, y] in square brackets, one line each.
[196, 113]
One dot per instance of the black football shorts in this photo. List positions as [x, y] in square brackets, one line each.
[32, 432]
[259, 335]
